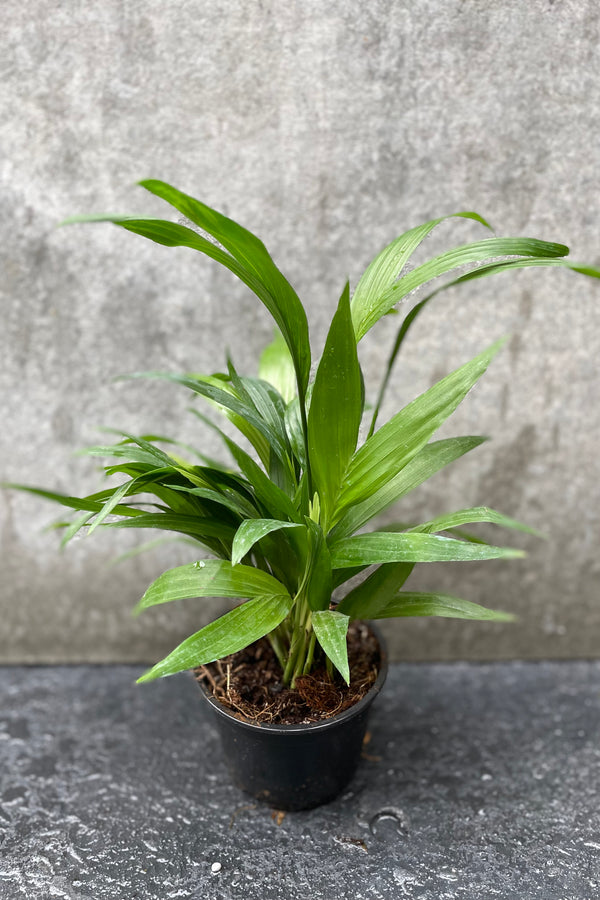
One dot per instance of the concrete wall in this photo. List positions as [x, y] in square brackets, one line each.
[328, 128]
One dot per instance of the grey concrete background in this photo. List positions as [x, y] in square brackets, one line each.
[328, 128]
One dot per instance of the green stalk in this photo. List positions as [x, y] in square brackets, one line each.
[311, 653]
[329, 667]
[300, 643]
[412, 315]
[283, 633]
[276, 644]
[304, 634]
[295, 641]
[291, 660]
[304, 422]
[300, 658]
[299, 668]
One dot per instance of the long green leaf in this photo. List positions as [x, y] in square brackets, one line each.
[453, 259]
[134, 486]
[253, 530]
[335, 408]
[165, 488]
[206, 387]
[418, 604]
[294, 428]
[402, 332]
[275, 291]
[160, 457]
[471, 516]
[277, 504]
[508, 265]
[163, 439]
[74, 528]
[269, 405]
[276, 366]
[198, 527]
[370, 596]
[340, 576]
[260, 444]
[393, 446]
[209, 578]
[383, 271]
[93, 503]
[149, 546]
[267, 402]
[110, 505]
[170, 234]
[228, 634]
[319, 585]
[234, 502]
[219, 480]
[384, 547]
[481, 272]
[492, 248]
[455, 532]
[431, 459]
[331, 628]
[133, 468]
[126, 452]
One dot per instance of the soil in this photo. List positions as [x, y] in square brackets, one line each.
[248, 683]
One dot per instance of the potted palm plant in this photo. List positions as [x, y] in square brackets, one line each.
[284, 524]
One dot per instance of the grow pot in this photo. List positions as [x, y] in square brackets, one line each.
[293, 767]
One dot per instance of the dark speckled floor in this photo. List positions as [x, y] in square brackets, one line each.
[482, 781]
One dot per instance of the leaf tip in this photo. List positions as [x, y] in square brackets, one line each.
[154, 186]
[499, 344]
[477, 217]
[147, 676]
[498, 615]
[516, 554]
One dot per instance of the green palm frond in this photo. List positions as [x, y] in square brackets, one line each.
[283, 522]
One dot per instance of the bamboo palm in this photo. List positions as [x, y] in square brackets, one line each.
[281, 525]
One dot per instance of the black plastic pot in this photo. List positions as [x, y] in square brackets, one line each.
[293, 767]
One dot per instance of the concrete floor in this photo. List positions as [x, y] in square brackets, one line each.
[479, 781]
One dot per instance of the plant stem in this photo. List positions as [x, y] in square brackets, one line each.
[301, 658]
[412, 315]
[275, 641]
[329, 666]
[300, 643]
[310, 654]
[304, 423]
[291, 660]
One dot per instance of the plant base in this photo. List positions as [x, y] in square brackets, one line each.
[294, 767]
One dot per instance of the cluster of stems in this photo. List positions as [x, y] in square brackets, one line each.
[294, 642]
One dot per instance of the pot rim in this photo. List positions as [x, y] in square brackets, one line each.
[321, 725]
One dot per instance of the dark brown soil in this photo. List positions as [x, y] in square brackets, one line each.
[249, 684]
